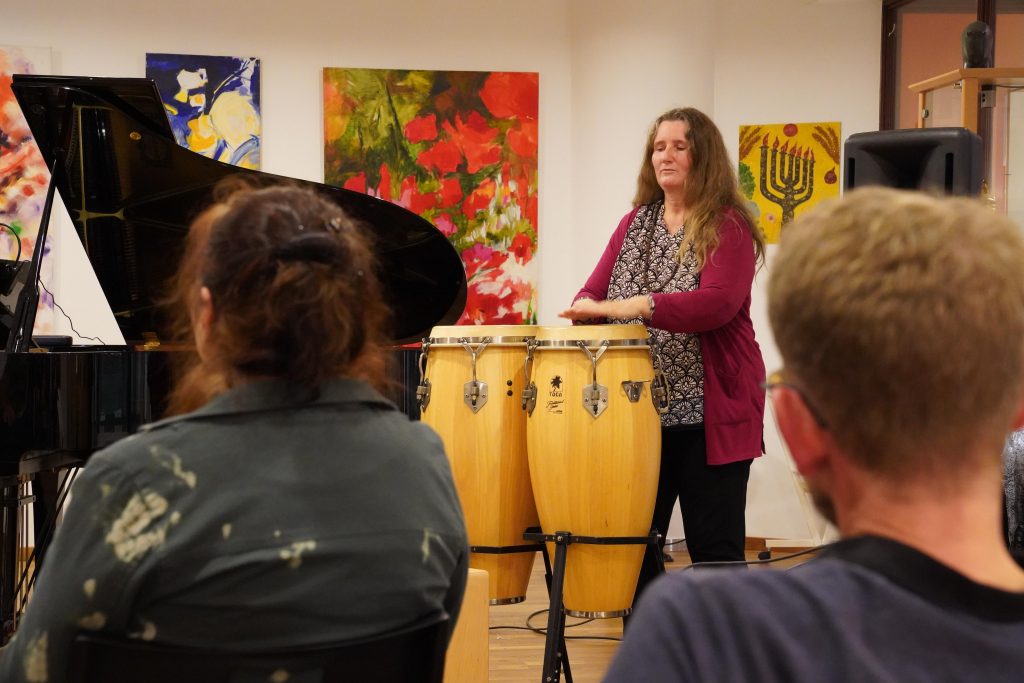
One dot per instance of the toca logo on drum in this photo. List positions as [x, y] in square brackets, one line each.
[556, 396]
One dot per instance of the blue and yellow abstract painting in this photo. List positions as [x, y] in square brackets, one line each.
[213, 104]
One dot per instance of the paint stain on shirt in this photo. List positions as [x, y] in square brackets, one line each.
[35, 661]
[172, 461]
[136, 530]
[428, 534]
[293, 555]
[93, 622]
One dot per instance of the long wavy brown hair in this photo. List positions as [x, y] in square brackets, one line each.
[294, 289]
[711, 185]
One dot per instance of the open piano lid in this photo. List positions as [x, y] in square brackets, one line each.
[132, 192]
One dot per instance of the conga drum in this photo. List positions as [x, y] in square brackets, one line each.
[594, 442]
[471, 394]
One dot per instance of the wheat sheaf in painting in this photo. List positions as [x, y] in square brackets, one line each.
[787, 168]
[212, 103]
[459, 148]
[23, 175]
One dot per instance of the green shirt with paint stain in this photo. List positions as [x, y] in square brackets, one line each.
[261, 521]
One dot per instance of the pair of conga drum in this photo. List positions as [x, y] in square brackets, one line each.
[554, 425]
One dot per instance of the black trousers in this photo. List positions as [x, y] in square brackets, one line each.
[712, 498]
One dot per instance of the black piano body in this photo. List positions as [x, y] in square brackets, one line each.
[131, 192]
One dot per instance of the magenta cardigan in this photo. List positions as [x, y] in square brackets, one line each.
[719, 312]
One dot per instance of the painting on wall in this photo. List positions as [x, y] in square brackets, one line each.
[787, 168]
[23, 175]
[213, 104]
[459, 148]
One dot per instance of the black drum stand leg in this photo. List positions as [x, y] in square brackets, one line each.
[563, 652]
[555, 655]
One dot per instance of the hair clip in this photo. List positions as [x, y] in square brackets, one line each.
[314, 247]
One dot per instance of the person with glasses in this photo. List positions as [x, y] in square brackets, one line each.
[682, 262]
[900, 320]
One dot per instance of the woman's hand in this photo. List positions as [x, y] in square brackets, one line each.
[626, 309]
[586, 309]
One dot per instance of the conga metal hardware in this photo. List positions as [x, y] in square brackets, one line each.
[423, 389]
[530, 392]
[474, 392]
[595, 396]
[659, 385]
[633, 390]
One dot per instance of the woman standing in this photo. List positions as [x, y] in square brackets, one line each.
[682, 262]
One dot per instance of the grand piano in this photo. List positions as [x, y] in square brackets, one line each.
[131, 192]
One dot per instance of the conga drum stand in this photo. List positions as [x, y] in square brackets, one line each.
[555, 656]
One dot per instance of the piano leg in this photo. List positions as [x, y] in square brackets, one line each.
[10, 500]
[31, 507]
[48, 502]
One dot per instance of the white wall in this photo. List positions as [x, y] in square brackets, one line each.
[607, 68]
[629, 64]
[792, 61]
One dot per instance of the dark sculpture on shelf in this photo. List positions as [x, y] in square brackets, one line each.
[977, 42]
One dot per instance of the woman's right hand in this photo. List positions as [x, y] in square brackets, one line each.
[583, 310]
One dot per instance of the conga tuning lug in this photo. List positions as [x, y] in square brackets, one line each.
[659, 392]
[633, 390]
[530, 398]
[423, 389]
[423, 394]
[474, 394]
[595, 399]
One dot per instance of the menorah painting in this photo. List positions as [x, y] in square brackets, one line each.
[786, 168]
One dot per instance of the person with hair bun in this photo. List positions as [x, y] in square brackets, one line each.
[287, 503]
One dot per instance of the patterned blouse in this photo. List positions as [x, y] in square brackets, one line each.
[647, 263]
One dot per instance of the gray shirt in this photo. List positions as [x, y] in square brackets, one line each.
[869, 610]
[260, 521]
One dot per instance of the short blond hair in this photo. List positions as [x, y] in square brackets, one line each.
[901, 315]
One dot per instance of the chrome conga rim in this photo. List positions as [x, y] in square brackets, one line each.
[584, 614]
[489, 340]
[589, 343]
[514, 600]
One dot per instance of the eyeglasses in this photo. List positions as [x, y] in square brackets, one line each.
[778, 379]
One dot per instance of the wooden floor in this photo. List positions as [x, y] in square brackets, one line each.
[517, 654]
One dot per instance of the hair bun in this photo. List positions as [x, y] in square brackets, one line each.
[316, 247]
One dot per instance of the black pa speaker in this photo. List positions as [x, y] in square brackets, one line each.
[943, 160]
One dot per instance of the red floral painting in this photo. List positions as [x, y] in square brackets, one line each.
[459, 148]
[23, 176]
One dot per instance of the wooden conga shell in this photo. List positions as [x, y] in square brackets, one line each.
[486, 449]
[595, 476]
